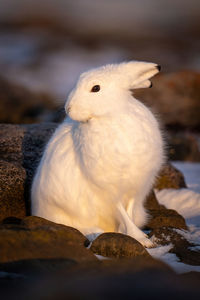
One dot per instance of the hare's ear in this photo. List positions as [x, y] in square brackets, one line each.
[139, 73]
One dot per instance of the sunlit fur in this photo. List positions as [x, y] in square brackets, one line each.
[101, 162]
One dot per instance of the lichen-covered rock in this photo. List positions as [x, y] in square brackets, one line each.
[12, 182]
[170, 178]
[21, 148]
[117, 245]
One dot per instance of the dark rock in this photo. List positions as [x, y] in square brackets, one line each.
[122, 279]
[191, 276]
[34, 267]
[36, 238]
[170, 178]
[176, 97]
[181, 247]
[152, 202]
[117, 245]
[20, 105]
[183, 146]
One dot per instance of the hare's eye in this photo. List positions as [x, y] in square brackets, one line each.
[95, 89]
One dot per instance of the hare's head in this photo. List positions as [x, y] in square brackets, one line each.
[105, 90]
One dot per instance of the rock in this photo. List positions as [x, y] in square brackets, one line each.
[42, 239]
[160, 216]
[175, 96]
[184, 250]
[166, 235]
[20, 105]
[34, 223]
[21, 147]
[117, 245]
[12, 181]
[183, 146]
[152, 202]
[165, 217]
[29, 268]
[170, 178]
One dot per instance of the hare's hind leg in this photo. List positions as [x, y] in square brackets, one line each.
[127, 226]
[139, 214]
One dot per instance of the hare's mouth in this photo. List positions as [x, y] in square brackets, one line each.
[86, 120]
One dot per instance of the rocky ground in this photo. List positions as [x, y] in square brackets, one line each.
[53, 260]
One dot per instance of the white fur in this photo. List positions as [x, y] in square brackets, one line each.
[101, 162]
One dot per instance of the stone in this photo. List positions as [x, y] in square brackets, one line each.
[160, 216]
[183, 146]
[152, 202]
[44, 240]
[117, 245]
[36, 223]
[21, 148]
[12, 182]
[165, 217]
[170, 178]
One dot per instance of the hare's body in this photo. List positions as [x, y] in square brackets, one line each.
[97, 171]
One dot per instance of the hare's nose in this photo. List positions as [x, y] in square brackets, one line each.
[158, 67]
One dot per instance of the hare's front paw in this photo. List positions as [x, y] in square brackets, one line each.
[147, 243]
[142, 238]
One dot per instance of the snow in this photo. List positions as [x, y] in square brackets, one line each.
[191, 173]
[162, 253]
[187, 203]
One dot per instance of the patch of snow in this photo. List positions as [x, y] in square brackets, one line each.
[191, 171]
[192, 236]
[162, 253]
[195, 248]
[185, 201]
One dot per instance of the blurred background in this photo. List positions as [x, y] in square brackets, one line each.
[45, 45]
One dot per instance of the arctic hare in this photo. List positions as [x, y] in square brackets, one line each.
[101, 162]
